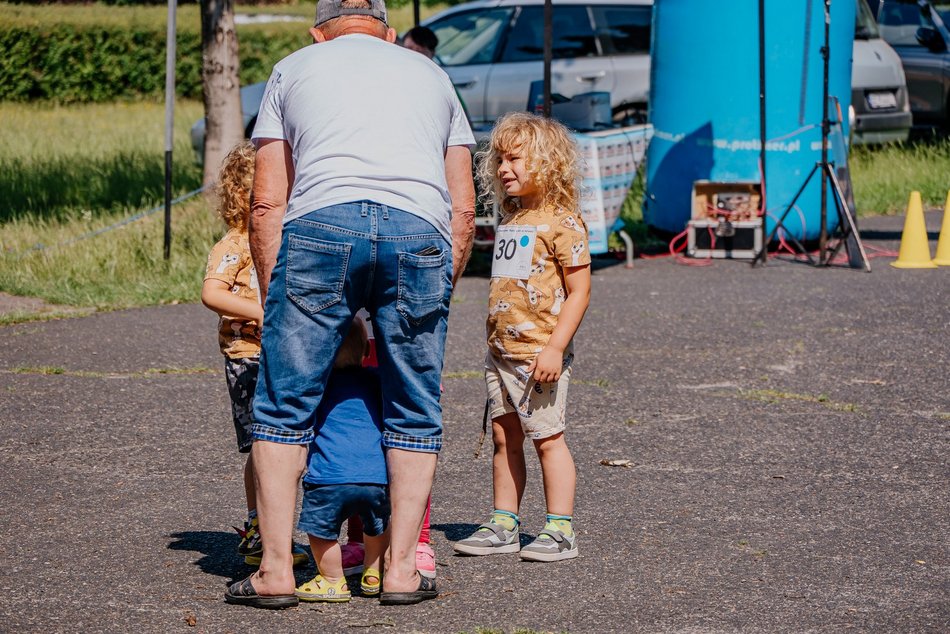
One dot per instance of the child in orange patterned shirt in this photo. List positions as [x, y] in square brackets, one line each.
[230, 289]
[540, 290]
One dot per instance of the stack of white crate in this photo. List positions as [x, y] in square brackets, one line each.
[609, 163]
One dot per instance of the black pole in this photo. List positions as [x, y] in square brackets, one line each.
[168, 204]
[825, 131]
[548, 50]
[169, 121]
[762, 139]
[415, 12]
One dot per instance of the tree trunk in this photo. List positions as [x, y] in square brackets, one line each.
[224, 127]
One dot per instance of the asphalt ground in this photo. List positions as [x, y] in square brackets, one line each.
[786, 427]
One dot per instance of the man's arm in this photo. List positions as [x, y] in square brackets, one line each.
[273, 177]
[458, 175]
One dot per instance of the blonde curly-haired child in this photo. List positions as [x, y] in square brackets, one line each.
[230, 289]
[540, 290]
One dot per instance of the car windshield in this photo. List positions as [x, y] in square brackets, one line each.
[943, 8]
[865, 27]
[470, 37]
[899, 21]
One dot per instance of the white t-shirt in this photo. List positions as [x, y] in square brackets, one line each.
[366, 120]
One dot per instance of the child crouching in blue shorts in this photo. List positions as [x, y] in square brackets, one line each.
[346, 473]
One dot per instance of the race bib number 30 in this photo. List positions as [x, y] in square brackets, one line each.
[514, 248]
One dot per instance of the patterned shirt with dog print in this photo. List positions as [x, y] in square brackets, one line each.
[532, 249]
[230, 261]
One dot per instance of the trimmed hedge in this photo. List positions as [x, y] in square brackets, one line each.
[68, 63]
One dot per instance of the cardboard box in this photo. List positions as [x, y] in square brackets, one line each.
[736, 201]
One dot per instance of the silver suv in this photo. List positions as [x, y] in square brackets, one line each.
[880, 109]
[494, 49]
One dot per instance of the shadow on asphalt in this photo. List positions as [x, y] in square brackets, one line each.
[892, 235]
[218, 549]
[455, 532]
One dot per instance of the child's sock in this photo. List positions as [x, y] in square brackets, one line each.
[506, 519]
[559, 523]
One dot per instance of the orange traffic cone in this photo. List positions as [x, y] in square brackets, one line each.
[915, 250]
[943, 244]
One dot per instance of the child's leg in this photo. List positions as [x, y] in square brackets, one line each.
[241, 377]
[425, 556]
[376, 509]
[353, 548]
[326, 552]
[508, 467]
[424, 534]
[249, 491]
[329, 584]
[501, 533]
[373, 559]
[557, 541]
[560, 476]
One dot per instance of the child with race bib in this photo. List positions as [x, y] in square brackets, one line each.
[540, 290]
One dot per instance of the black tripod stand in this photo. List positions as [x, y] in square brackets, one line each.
[846, 234]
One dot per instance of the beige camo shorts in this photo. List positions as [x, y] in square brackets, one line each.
[540, 406]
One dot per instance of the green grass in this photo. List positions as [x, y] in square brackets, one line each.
[464, 374]
[400, 11]
[118, 269]
[631, 212]
[84, 161]
[884, 177]
[86, 374]
[27, 316]
[776, 396]
[187, 18]
[69, 171]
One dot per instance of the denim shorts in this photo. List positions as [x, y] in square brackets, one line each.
[241, 375]
[331, 263]
[326, 506]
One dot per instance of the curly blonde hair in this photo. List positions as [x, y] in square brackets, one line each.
[233, 188]
[550, 155]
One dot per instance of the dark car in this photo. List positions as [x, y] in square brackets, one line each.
[917, 30]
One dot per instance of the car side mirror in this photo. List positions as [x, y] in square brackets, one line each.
[931, 40]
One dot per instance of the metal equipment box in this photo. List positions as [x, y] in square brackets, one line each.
[739, 240]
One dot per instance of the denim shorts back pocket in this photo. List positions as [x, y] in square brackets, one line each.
[422, 286]
[316, 271]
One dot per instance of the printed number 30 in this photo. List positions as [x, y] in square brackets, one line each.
[506, 249]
